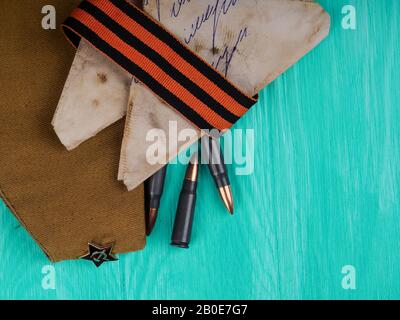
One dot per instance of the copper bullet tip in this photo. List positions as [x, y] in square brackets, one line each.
[227, 197]
[152, 218]
[193, 169]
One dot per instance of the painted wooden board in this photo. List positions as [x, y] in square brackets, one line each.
[325, 193]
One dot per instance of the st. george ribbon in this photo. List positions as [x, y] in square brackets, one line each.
[145, 49]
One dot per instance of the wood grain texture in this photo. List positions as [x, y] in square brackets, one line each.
[325, 193]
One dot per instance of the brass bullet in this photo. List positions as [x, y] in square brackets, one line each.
[154, 188]
[216, 164]
[227, 198]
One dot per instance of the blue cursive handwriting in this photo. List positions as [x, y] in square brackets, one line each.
[177, 6]
[228, 53]
[146, 2]
[213, 12]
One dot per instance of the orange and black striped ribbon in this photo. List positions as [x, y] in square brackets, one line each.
[145, 49]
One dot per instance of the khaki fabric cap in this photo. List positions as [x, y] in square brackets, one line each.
[64, 199]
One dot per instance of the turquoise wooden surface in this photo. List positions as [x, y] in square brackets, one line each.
[324, 194]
